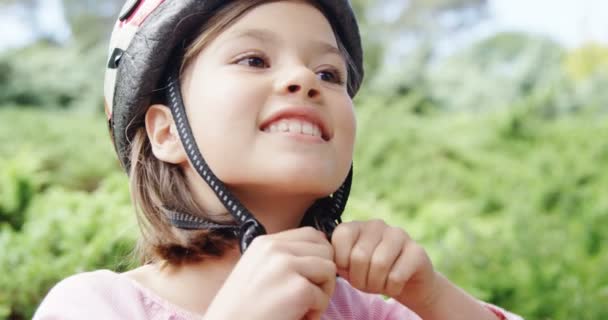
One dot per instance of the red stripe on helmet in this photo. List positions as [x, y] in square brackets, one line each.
[143, 10]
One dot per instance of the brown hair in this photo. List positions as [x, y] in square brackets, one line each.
[157, 186]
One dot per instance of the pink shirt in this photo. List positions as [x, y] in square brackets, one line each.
[104, 294]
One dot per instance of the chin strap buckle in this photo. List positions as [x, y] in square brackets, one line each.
[249, 230]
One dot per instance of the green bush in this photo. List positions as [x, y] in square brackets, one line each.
[65, 232]
[511, 205]
[68, 148]
[48, 76]
[64, 205]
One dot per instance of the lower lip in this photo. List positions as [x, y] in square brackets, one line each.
[297, 136]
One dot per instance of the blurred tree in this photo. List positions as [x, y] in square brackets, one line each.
[91, 21]
[586, 61]
[383, 22]
[496, 71]
[424, 16]
[419, 25]
[420, 16]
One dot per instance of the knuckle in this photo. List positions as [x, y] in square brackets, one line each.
[302, 288]
[309, 229]
[382, 263]
[396, 279]
[417, 251]
[265, 243]
[313, 232]
[282, 263]
[397, 234]
[378, 222]
[345, 232]
[358, 254]
[297, 289]
[270, 247]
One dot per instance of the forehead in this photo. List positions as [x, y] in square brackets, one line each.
[292, 20]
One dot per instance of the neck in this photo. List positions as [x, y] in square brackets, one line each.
[276, 212]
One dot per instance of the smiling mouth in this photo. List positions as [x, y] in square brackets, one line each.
[296, 126]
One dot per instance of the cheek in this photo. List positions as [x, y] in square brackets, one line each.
[349, 123]
[225, 106]
[223, 113]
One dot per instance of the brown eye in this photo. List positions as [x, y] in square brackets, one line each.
[331, 76]
[254, 62]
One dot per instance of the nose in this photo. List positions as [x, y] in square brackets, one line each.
[300, 81]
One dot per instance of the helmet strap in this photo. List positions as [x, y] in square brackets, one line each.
[250, 226]
[324, 214]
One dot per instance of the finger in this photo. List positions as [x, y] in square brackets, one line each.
[321, 272]
[361, 254]
[301, 234]
[310, 298]
[384, 257]
[403, 269]
[280, 241]
[305, 249]
[320, 302]
[343, 239]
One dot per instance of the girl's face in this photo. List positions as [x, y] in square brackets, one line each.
[268, 103]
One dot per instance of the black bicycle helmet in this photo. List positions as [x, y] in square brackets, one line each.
[144, 56]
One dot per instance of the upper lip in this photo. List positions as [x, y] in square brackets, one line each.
[309, 114]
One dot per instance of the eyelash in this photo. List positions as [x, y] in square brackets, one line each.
[337, 74]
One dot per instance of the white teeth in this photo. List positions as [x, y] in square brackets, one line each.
[316, 131]
[294, 126]
[307, 128]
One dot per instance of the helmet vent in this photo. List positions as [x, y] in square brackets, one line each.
[115, 58]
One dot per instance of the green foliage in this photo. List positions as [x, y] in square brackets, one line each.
[510, 205]
[61, 147]
[589, 60]
[47, 76]
[65, 232]
[496, 72]
[64, 204]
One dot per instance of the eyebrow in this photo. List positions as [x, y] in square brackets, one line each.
[268, 36]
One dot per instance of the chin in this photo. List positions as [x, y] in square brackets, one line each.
[290, 183]
[319, 183]
[315, 178]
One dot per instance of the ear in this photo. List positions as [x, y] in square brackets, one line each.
[163, 135]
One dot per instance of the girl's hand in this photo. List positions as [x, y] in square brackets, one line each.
[289, 275]
[377, 258]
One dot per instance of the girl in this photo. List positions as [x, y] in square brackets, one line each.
[251, 230]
